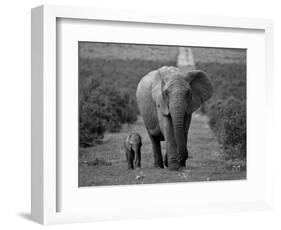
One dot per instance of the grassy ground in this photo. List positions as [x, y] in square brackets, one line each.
[105, 164]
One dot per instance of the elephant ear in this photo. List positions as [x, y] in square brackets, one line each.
[128, 142]
[158, 95]
[201, 87]
[130, 139]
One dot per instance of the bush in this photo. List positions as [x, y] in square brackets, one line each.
[91, 123]
[227, 108]
[101, 108]
[228, 120]
[213, 113]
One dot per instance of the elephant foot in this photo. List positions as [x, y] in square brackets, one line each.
[174, 166]
[158, 165]
[183, 160]
[183, 163]
[166, 160]
[130, 167]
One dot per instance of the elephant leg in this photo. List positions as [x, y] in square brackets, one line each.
[187, 125]
[183, 161]
[166, 159]
[138, 160]
[130, 159]
[156, 149]
[172, 158]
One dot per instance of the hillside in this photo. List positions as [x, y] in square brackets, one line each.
[219, 55]
[109, 51]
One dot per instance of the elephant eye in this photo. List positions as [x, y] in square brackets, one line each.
[166, 92]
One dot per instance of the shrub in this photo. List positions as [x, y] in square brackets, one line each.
[101, 108]
[92, 124]
[227, 108]
[213, 112]
[228, 120]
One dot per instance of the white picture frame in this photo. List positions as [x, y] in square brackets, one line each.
[45, 180]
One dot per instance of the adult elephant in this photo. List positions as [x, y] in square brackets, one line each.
[167, 97]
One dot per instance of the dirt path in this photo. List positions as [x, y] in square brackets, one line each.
[205, 163]
[185, 59]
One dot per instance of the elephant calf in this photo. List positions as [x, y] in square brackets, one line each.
[132, 146]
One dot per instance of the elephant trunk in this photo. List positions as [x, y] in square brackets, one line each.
[178, 114]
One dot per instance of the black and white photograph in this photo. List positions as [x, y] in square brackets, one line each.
[153, 114]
